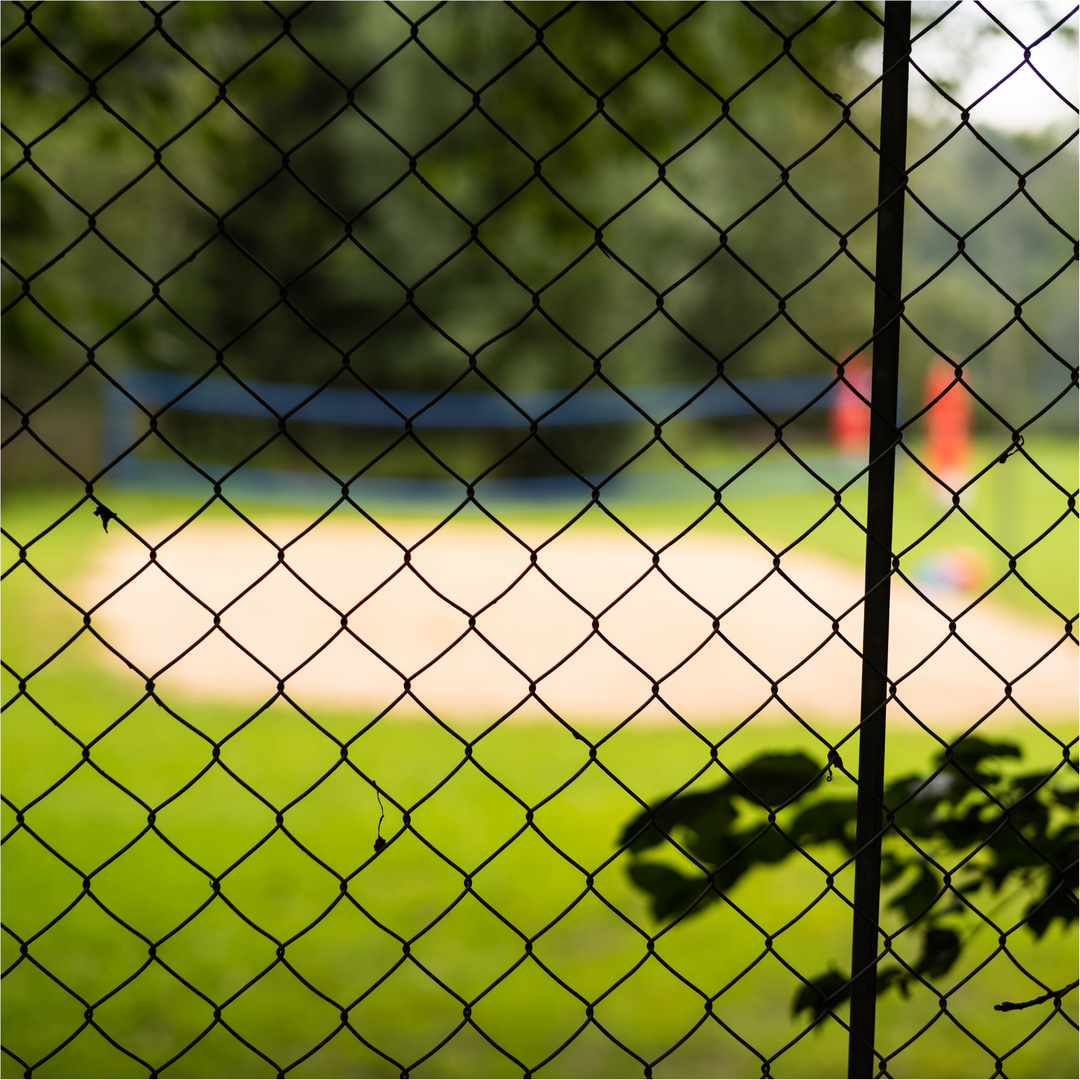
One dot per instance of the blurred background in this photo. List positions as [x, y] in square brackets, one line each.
[416, 247]
[333, 206]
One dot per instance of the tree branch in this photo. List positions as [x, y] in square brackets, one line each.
[1008, 1006]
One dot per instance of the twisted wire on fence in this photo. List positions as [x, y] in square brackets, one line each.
[553, 216]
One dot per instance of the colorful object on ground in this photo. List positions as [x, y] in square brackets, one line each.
[958, 568]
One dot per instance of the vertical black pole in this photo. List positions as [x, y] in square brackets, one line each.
[892, 177]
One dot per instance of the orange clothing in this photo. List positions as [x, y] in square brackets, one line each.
[849, 414]
[948, 422]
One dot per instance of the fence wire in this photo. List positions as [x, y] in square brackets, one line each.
[500, 743]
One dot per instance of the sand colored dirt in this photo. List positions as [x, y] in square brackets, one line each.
[534, 622]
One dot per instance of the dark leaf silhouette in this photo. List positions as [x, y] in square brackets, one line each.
[775, 779]
[833, 819]
[1060, 903]
[671, 893]
[965, 817]
[825, 992]
[655, 825]
[940, 951]
[970, 753]
[105, 514]
[917, 899]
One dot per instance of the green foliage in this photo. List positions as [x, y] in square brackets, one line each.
[414, 197]
[966, 831]
[351, 198]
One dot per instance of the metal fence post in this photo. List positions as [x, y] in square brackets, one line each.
[888, 307]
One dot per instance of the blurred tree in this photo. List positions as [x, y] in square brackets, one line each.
[418, 194]
[998, 242]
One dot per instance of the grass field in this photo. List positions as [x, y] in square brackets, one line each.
[278, 817]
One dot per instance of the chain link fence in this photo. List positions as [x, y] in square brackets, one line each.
[480, 483]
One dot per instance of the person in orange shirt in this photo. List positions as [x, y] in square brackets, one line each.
[948, 424]
[849, 413]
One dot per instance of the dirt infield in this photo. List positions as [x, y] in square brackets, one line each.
[535, 622]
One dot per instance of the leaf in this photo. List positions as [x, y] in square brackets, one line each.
[970, 752]
[966, 831]
[771, 846]
[1011, 851]
[890, 977]
[715, 843]
[1030, 815]
[711, 835]
[1060, 903]
[821, 993]
[914, 802]
[738, 853]
[941, 948]
[1067, 797]
[826, 821]
[105, 514]
[892, 867]
[1062, 850]
[919, 898]
[1031, 781]
[671, 892]
[776, 779]
[650, 826]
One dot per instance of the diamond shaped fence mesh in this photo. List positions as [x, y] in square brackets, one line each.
[539, 539]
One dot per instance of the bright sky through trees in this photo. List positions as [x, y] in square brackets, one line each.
[970, 55]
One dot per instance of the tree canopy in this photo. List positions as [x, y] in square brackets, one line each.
[446, 197]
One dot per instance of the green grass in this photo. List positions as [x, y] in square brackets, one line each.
[281, 926]
[295, 902]
[1019, 510]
